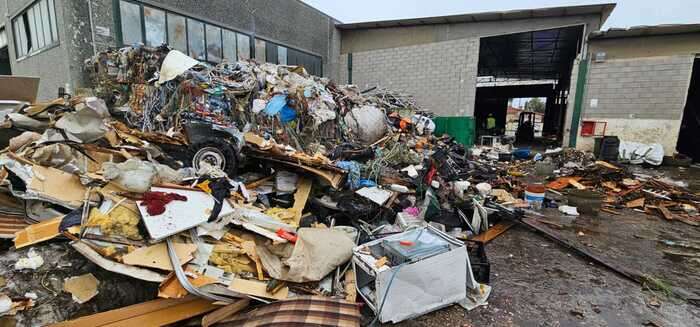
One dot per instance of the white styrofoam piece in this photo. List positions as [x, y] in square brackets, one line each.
[180, 215]
[377, 195]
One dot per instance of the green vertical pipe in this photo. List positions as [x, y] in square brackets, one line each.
[350, 68]
[578, 101]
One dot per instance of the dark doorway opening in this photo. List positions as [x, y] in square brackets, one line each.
[5, 68]
[531, 65]
[689, 136]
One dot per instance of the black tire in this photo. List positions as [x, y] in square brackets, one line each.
[216, 152]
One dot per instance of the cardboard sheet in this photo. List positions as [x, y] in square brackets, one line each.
[156, 256]
[83, 288]
[19, 88]
[180, 215]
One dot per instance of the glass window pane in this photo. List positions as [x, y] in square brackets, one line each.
[19, 36]
[32, 30]
[131, 22]
[195, 34]
[45, 22]
[243, 46]
[3, 38]
[154, 21]
[260, 50]
[52, 17]
[229, 45]
[213, 43]
[177, 32]
[281, 55]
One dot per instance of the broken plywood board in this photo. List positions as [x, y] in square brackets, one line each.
[38, 233]
[180, 215]
[256, 288]
[57, 186]
[135, 272]
[638, 203]
[576, 184]
[159, 312]
[82, 288]
[156, 256]
[172, 289]
[562, 182]
[493, 232]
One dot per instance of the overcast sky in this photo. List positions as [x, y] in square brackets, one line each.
[628, 12]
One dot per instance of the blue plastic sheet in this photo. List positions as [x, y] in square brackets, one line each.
[353, 168]
[276, 104]
[287, 114]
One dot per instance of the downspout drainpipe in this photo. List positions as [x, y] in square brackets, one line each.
[578, 100]
[92, 27]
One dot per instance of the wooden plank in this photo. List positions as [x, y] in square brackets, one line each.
[665, 212]
[225, 312]
[301, 196]
[37, 233]
[610, 211]
[350, 286]
[168, 315]
[576, 184]
[493, 232]
[114, 316]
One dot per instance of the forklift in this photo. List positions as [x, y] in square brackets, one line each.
[525, 133]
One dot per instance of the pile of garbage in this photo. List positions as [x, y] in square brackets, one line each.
[252, 185]
[577, 182]
[261, 187]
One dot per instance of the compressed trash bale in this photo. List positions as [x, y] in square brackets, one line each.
[367, 122]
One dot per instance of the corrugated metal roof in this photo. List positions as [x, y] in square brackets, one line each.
[603, 9]
[639, 31]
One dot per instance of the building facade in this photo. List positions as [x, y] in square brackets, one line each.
[638, 83]
[51, 39]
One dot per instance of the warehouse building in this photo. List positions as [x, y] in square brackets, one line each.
[51, 39]
[643, 85]
[467, 67]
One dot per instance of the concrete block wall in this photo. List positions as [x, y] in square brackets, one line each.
[440, 75]
[641, 99]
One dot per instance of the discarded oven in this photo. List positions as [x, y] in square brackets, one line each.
[425, 270]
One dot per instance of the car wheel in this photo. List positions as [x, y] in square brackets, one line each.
[217, 154]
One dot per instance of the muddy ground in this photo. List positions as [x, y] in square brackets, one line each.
[537, 282]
